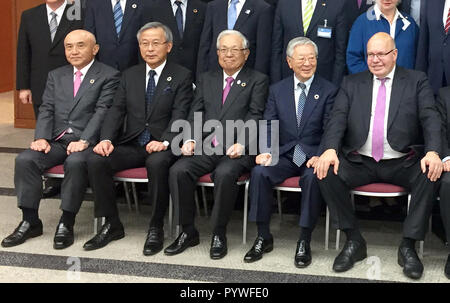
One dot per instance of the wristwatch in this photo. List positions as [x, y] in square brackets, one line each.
[84, 142]
[166, 143]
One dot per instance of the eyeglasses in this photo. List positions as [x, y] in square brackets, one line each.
[154, 44]
[302, 60]
[380, 56]
[234, 51]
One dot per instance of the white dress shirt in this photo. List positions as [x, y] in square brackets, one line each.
[225, 76]
[123, 4]
[445, 13]
[239, 6]
[158, 71]
[83, 71]
[298, 90]
[183, 9]
[366, 149]
[393, 26]
[59, 13]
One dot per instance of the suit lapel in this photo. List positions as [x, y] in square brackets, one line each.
[238, 86]
[190, 17]
[320, 9]
[312, 100]
[88, 80]
[165, 79]
[288, 105]
[223, 21]
[128, 16]
[245, 13]
[109, 17]
[396, 95]
[42, 21]
[365, 95]
[298, 17]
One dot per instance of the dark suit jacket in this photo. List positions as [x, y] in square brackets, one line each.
[119, 52]
[443, 105]
[36, 53]
[352, 11]
[171, 101]
[413, 120]
[254, 22]
[85, 112]
[288, 24]
[281, 106]
[184, 50]
[433, 52]
[245, 101]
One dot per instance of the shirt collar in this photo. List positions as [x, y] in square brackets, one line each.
[59, 11]
[234, 75]
[85, 69]
[182, 1]
[378, 13]
[307, 83]
[390, 75]
[158, 70]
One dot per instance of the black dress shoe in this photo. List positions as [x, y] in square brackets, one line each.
[107, 234]
[260, 246]
[447, 268]
[409, 260]
[302, 254]
[23, 232]
[218, 247]
[50, 191]
[352, 252]
[154, 242]
[182, 242]
[63, 236]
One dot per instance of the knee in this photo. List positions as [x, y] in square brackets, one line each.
[157, 163]
[178, 170]
[74, 162]
[225, 173]
[95, 161]
[25, 159]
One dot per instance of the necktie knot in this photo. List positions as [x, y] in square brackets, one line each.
[302, 85]
[78, 74]
[229, 80]
[382, 80]
[54, 15]
[234, 2]
[152, 73]
[178, 3]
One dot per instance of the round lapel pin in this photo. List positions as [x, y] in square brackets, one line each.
[243, 84]
[92, 81]
[169, 79]
[316, 97]
[195, 10]
[134, 5]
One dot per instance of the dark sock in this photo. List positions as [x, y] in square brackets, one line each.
[264, 230]
[220, 231]
[408, 242]
[68, 218]
[305, 234]
[354, 235]
[115, 221]
[189, 229]
[30, 215]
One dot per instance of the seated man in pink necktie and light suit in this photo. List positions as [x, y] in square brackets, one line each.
[75, 102]
[384, 127]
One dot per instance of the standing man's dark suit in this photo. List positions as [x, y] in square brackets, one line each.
[352, 11]
[254, 22]
[121, 51]
[288, 24]
[185, 48]
[36, 53]
[444, 193]
[406, 6]
[433, 52]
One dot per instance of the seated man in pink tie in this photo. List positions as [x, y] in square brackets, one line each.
[75, 102]
[232, 93]
[384, 127]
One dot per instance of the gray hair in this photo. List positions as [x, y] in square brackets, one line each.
[226, 32]
[300, 41]
[167, 31]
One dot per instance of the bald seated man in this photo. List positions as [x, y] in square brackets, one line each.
[75, 101]
[384, 127]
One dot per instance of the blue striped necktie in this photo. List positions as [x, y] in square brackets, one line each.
[179, 18]
[144, 137]
[118, 16]
[299, 155]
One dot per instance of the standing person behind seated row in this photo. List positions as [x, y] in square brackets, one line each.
[149, 98]
[385, 17]
[383, 123]
[75, 102]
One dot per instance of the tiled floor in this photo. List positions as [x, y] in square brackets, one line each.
[123, 261]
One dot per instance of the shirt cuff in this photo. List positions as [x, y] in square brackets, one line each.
[445, 159]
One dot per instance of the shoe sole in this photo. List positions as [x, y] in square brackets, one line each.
[152, 252]
[192, 244]
[62, 246]
[219, 256]
[118, 237]
[302, 266]
[40, 233]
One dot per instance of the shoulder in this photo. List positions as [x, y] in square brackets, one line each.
[326, 86]
[178, 70]
[31, 12]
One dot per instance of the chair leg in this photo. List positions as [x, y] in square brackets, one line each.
[279, 204]
[135, 197]
[338, 238]
[127, 195]
[205, 203]
[244, 227]
[327, 228]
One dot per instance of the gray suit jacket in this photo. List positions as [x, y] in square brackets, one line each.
[83, 113]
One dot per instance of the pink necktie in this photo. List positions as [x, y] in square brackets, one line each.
[77, 82]
[359, 3]
[378, 123]
[227, 89]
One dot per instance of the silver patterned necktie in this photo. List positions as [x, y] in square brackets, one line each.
[53, 25]
[299, 155]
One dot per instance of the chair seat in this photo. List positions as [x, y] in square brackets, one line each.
[290, 182]
[380, 188]
[58, 169]
[132, 173]
[207, 178]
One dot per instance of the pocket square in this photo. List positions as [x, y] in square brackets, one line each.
[167, 90]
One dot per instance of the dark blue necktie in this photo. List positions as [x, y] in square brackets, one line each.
[179, 18]
[144, 137]
[299, 155]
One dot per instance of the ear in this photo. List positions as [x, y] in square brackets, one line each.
[96, 49]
